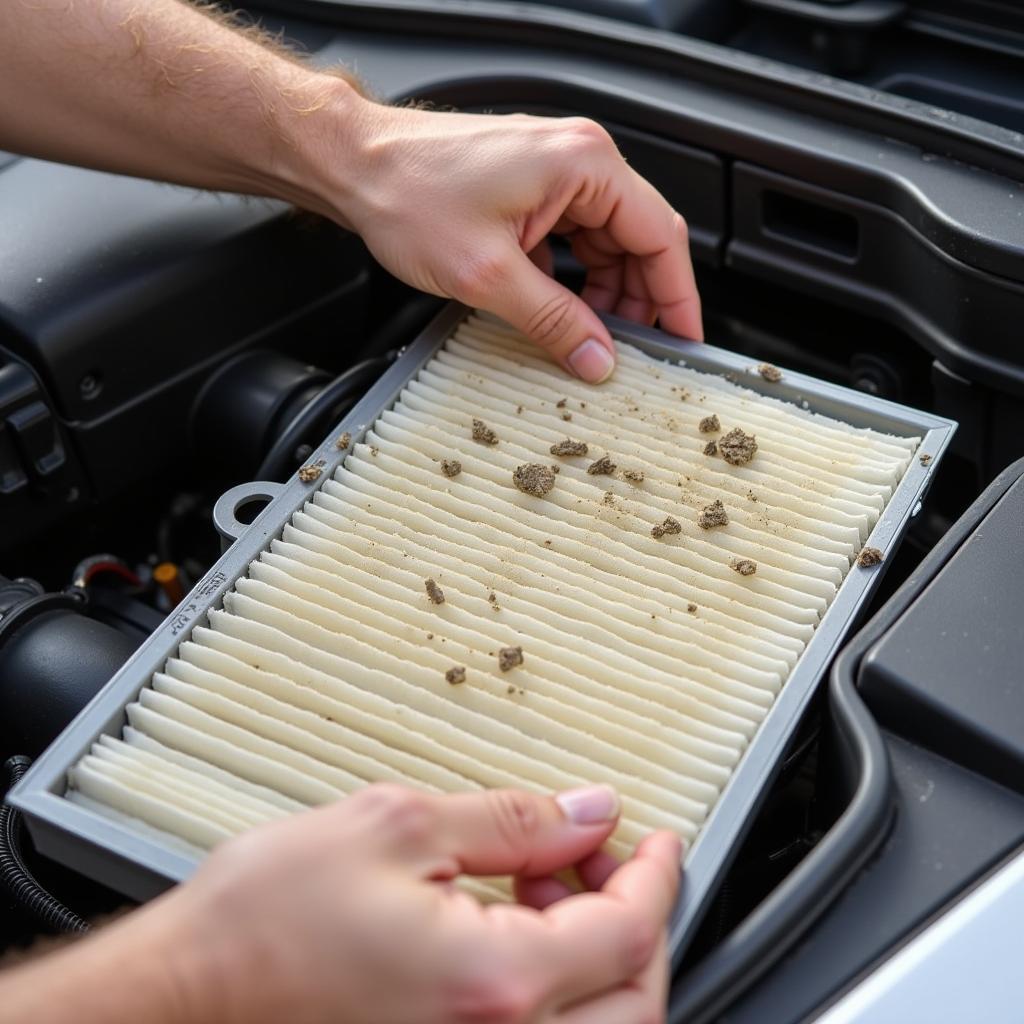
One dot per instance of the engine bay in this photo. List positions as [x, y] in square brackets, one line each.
[159, 347]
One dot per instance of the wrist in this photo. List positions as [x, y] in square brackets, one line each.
[323, 129]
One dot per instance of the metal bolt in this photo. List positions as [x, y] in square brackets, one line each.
[90, 386]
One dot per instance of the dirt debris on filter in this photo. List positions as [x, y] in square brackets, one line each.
[509, 657]
[561, 403]
[434, 592]
[691, 608]
[483, 433]
[869, 557]
[569, 447]
[751, 496]
[492, 597]
[609, 498]
[455, 675]
[737, 447]
[711, 448]
[744, 566]
[375, 451]
[713, 515]
[566, 416]
[634, 476]
[924, 458]
[343, 442]
[533, 478]
[519, 410]
[669, 526]
[710, 424]
[601, 467]
[451, 467]
[772, 374]
[312, 472]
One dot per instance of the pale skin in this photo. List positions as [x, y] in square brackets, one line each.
[346, 912]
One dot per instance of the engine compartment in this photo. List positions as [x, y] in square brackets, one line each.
[157, 346]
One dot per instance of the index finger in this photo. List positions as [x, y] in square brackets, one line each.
[598, 941]
[642, 223]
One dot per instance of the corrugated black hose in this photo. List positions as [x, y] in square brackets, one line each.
[15, 877]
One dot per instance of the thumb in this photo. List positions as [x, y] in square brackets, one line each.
[554, 318]
[512, 832]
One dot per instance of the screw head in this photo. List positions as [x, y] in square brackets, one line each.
[90, 385]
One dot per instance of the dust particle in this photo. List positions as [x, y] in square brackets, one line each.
[533, 478]
[669, 526]
[713, 515]
[343, 442]
[609, 498]
[709, 425]
[924, 459]
[509, 657]
[511, 689]
[561, 403]
[451, 467]
[711, 448]
[744, 566]
[456, 674]
[483, 433]
[566, 416]
[772, 374]
[312, 472]
[736, 447]
[602, 467]
[569, 447]
[751, 496]
[375, 451]
[434, 592]
[691, 608]
[519, 410]
[430, 636]
[634, 476]
[869, 557]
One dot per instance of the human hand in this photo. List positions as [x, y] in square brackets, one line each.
[344, 913]
[456, 205]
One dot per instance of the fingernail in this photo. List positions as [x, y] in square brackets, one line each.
[589, 805]
[592, 361]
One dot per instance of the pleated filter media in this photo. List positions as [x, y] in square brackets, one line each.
[515, 579]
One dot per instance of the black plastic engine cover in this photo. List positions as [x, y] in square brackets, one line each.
[122, 295]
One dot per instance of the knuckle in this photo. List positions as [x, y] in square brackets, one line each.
[493, 995]
[403, 814]
[478, 276]
[552, 322]
[515, 817]
[587, 134]
[639, 940]
[651, 1015]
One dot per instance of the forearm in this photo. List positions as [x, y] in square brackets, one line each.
[155, 965]
[160, 89]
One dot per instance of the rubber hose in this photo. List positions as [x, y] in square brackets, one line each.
[16, 879]
[276, 463]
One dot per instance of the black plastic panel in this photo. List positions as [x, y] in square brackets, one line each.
[859, 253]
[112, 285]
[951, 672]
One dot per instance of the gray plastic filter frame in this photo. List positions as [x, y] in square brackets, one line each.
[141, 865]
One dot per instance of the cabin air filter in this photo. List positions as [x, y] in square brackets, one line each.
[493, 575]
